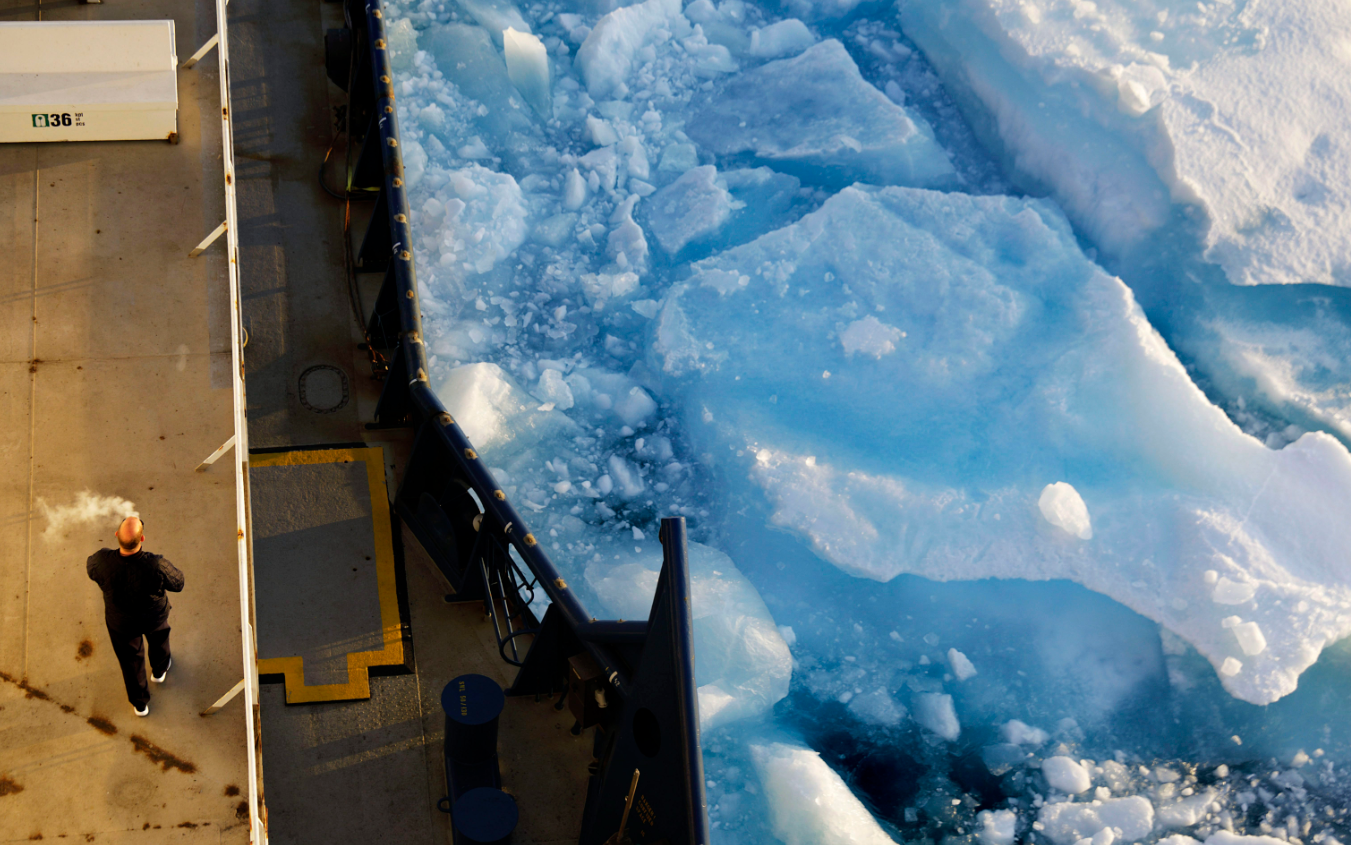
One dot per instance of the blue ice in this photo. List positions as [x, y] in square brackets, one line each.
[964, 502]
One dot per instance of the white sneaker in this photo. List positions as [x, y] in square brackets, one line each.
[145, 712]
[159, 679]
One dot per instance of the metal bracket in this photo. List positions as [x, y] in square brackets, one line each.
[206, 48]
[209, 240]
[224, 699]
[216, 455]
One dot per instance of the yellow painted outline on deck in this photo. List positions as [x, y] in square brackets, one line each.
[358, 684]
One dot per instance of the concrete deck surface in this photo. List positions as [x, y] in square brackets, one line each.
[112, 348]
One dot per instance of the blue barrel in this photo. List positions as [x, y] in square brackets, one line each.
[483, 816]
[472, 704]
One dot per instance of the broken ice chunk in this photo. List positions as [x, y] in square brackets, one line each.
[574, 190]
[627, 245]
[467, 57]
[496, 16]
[962, 668]
[809, 804]
[1250, 639]
[599, 130]
[1067, 823]
[877, 708]
[609, 52]
[1231, 667]
[1066, 775]
[1063, 507]
[870, 336]
[1233, 592]
[1021, 733]
[934, 711]
[528, 68]
[785, 38]
[677, 158]
[689, 209]
[552, 389]
[996, 827]
[815, 116]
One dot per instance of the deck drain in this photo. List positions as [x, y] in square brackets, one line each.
[323, 388]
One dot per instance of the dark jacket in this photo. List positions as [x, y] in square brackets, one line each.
[133, 588]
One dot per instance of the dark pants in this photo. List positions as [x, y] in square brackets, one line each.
[130, 653]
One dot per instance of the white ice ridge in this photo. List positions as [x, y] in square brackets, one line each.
[742, 664]
[1118, 105]
[1022, 365]
[528, 68]
[809, 804]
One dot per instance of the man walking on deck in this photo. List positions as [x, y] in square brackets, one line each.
[135, 606]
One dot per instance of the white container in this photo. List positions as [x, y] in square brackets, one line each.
[88, 81]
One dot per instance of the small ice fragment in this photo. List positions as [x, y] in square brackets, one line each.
[935, 711]
[1064, 774]
[996, 827]
[562, 487]
[1066, 823]
[1210, 576]
[1063, 507]
[1250, 638]
[552, 388]
[785, 38]
[1231, 622]
[786, 631]
[1106, 836]
[1231, 667]
[1221, 771]
[600, 131]
[877, 708]
[574, 190]
[1165, 775]
[625, 477]
[962, 668]
[528, 68]
[1233, 592]
[1021, 733]
[869, 336]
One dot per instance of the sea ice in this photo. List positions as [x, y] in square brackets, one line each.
[785, 38]
[481, 218]
[1066, 775]
[528, 68]
[814, 116]
[997, 827]
[466, 56]
[809, 803]
[1021, 733]
[935, 712]
[692, 207]
[1063, 507]
[742, 664]
[1118, 105]
[1129, 818]
[607, 56]
[1041, 368]
[962, 668]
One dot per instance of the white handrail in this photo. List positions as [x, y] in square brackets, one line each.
[243, 534]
